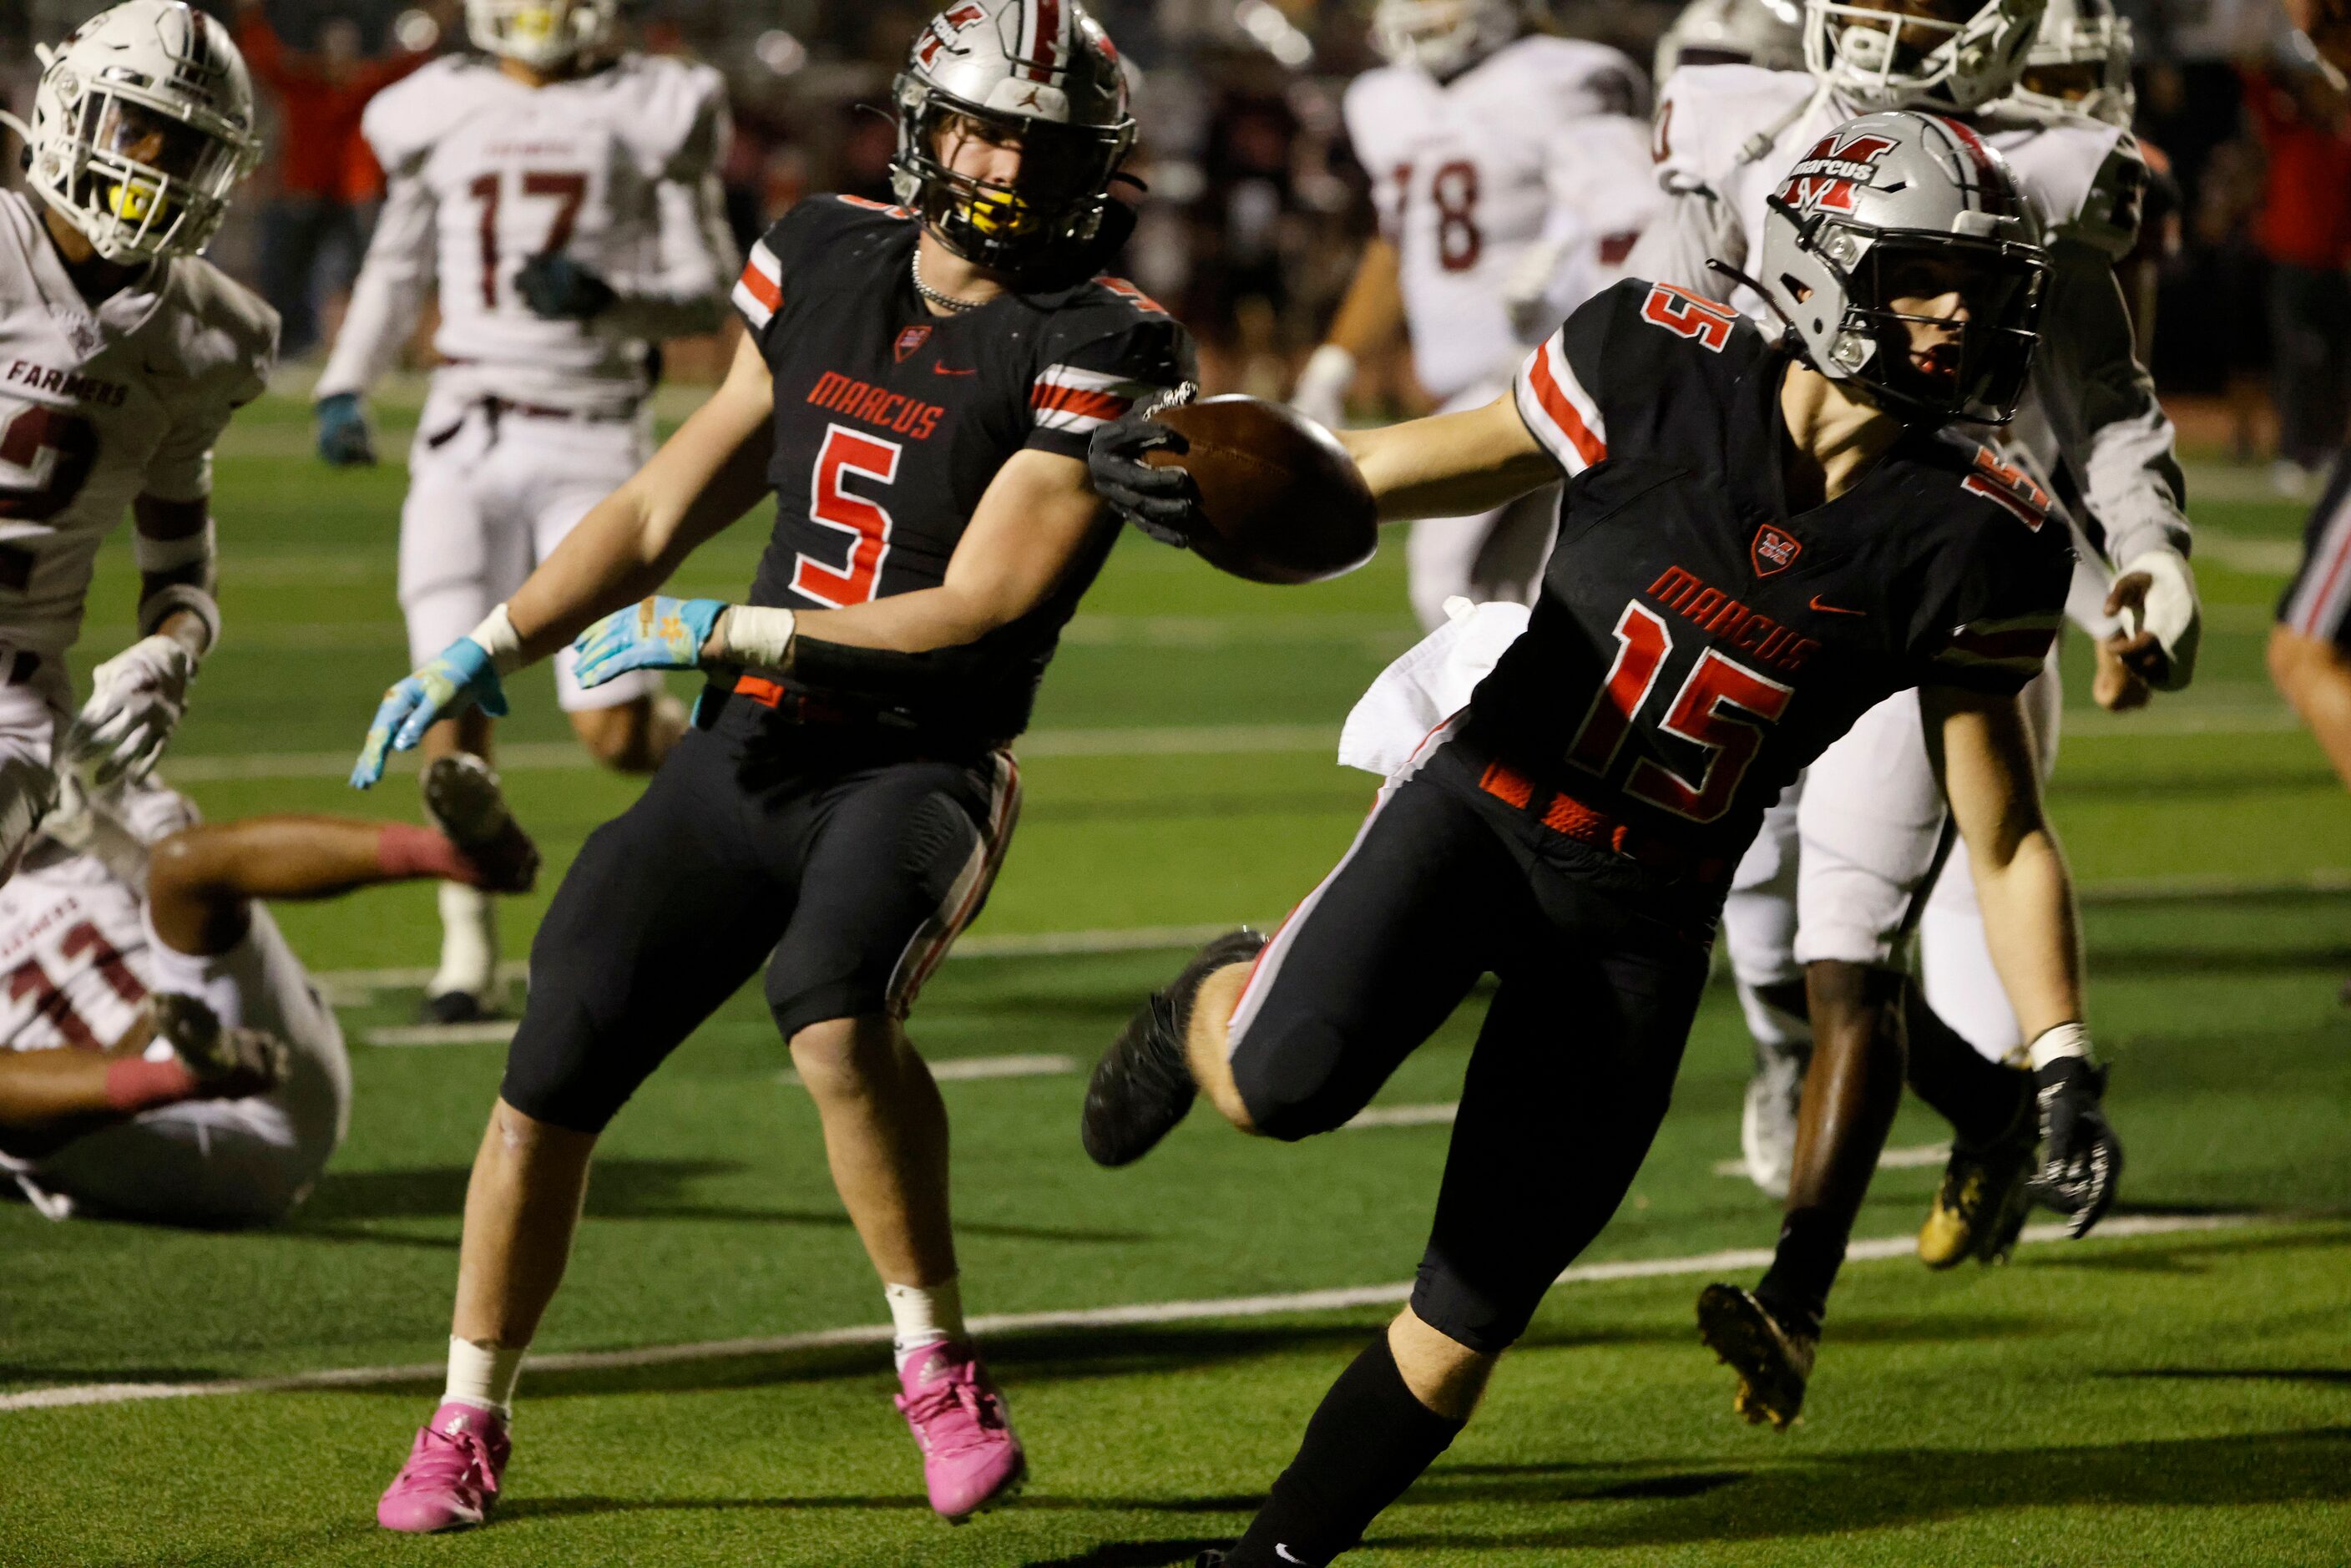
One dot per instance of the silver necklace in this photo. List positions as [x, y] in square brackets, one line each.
[931, 296]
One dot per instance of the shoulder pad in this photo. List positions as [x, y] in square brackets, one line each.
[1560, 78]
[675, 115]
[403, 121]
[1706, 115]
[224, 334]
[2086, 177]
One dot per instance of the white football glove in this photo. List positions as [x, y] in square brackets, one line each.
[1322, 391]
[2163, 607]
[136, 700]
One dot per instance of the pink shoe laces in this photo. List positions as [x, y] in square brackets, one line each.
[938, 1401]
[453, 1460]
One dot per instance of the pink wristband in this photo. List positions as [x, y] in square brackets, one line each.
[134, 1083]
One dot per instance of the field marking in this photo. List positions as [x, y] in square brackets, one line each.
[1918, 1156]
[488, 1031]
[1135, 1315]
[973, 1069]
[1440, 1115]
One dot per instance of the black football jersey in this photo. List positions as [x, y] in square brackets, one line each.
[890, 423]
[1696, 644]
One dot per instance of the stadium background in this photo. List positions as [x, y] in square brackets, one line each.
[2171, 1391]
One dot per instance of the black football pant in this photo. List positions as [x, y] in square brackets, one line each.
[1601, 966]
[843, 859]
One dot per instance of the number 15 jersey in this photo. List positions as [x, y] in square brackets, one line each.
[1696, 643]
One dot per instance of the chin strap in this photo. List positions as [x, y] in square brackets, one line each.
[1787, 324]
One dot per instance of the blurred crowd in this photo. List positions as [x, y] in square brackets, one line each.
[1256, 207]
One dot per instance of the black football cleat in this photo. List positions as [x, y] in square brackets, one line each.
[1143, 1085]
[462, 798]
[1773, 1359]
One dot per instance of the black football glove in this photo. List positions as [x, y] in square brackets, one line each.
[558, 288]
[1163, 502]
[2081, 1158]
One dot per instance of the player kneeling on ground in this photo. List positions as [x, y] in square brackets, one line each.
[917, 387]
[166, 1056]
[1757, 542]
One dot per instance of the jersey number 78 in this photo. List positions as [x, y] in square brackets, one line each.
[1701, 713]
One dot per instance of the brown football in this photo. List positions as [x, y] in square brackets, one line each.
[1281, 501]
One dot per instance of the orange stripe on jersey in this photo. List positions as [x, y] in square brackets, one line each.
[762, 287]
[1078, 401]
[1555, 403]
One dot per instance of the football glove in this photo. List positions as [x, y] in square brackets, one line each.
[136, 700]
[2154, 597]
[558, 288]
[1163, 502]
[458, 678]
[2081, 1159]
[344, 437]
[227, 1064]
[656, 633]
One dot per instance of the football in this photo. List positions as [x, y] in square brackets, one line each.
[1280, 499]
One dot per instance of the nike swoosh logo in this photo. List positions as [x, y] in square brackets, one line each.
[1835, 609]
[943, 370]
[1283, 1553]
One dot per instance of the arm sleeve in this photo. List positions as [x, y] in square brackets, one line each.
[2101, 403]
[388, 296]
[1557, 388]
[1090, 382]
[694, 250]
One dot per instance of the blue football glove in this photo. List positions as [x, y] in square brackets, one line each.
[656, 633]
[558, 288]
[343, 438]
[459, 678]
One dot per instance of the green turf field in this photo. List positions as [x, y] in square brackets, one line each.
[2178, 1397]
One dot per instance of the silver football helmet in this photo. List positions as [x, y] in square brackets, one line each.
[544, 34]
[1442, 37]
[1898, 205]
[1765, 33]
[1043, 75]
[143, 124]
[1919, 54]
[2080, 63]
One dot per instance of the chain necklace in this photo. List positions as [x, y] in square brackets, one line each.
[931, 296]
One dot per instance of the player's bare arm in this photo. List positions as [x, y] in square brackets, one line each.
[1450, 464]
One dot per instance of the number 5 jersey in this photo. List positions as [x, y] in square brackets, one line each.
[1697, 640]
[891, 424]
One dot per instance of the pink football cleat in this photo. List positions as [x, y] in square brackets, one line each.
[451, 1474]
[971, 1457]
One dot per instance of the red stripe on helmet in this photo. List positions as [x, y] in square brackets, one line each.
[1045, 50]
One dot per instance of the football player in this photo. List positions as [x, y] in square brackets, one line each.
[122, 355]
[1759, 541]
[916, 389]
[1511, 176]
[1838, 873]
[164, 1055]
[567, 199]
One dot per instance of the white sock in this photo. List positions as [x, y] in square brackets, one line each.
[483, 1375]
[469, 942]
[923, 1316]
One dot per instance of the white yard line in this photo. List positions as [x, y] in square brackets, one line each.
[489, 1031]
[969, 1069]
[1136, 1314]
[1918, 1156]
[1405, 1116]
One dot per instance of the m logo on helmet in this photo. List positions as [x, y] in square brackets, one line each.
[1824, 178]
[941, 33]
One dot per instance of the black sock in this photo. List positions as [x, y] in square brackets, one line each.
[1980, 1099]
[1369, 1439]
[1803, 1268]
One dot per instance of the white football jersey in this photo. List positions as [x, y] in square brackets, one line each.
[78, 959]
[99, 405]
[616, 169]
[1535, 142]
